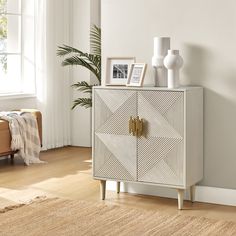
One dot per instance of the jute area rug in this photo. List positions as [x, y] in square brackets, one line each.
[66, 217]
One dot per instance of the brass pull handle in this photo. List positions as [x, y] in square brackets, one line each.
[136, 126]
[139, 127]
[132, 126]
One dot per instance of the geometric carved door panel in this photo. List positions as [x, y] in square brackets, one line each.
[161, 149]
[115, 155]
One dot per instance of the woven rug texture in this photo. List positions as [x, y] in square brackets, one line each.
[68, 217]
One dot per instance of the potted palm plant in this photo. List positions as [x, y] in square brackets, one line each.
[91, 61]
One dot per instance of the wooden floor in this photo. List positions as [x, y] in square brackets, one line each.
[67, 174]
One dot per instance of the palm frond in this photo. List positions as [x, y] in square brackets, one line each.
[84, 102]
[83, 86]
[91, 61]
[65, 50]
[75, 60]
[95, 40]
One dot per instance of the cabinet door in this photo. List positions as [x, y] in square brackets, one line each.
[161, 151]
[114, 148]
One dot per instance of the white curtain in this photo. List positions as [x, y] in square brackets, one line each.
[52, 80]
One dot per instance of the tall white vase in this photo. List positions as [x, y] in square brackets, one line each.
[173, 62]
[161, 47]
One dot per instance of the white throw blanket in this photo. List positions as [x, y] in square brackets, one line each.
[25, 137]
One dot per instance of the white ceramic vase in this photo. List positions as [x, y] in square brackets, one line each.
[161, 47]
[173, 62]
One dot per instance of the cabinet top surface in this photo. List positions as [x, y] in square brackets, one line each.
[187, 88]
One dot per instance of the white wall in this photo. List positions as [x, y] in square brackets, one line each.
[85, 14]
[204, 31]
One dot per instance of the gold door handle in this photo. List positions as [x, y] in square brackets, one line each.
[132, 126]
[136, 126]
[139, 126]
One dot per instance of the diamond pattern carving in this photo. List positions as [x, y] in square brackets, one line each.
[117, 122]
[106, 165]
[157, 157]
[157, 125]
[123, 148]
[114, 98]
[102, 111]
[160, 152]
[112, 135]
[153, 150]
[161, 100]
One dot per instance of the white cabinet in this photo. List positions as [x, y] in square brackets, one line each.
[149, 136]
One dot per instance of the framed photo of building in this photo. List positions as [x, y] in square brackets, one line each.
[136, 75]
[118, 70]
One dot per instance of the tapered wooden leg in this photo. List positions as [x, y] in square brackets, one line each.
[180, 198]
[192, 193]
[12, 157]
[103, 189]
[118, 187]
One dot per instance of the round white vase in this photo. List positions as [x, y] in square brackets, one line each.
[173, 62]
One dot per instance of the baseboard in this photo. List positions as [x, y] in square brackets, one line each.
[216, 195]
[203, 193]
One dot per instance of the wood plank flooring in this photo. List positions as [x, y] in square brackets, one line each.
[67, 174]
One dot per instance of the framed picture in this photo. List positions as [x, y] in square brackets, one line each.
[136, 75]
[118, 70]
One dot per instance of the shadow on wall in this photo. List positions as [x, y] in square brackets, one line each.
[219, 140]
[195, 65]
[219, 113]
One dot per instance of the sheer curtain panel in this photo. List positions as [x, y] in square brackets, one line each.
[52, 23]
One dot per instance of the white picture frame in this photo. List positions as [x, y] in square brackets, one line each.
[136, 75]
[118, 70]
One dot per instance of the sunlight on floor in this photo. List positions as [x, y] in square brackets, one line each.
[13, 196]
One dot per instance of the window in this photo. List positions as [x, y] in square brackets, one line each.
[17, 46]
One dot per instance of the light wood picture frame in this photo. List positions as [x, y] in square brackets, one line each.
[118, 69]
[136, 75]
